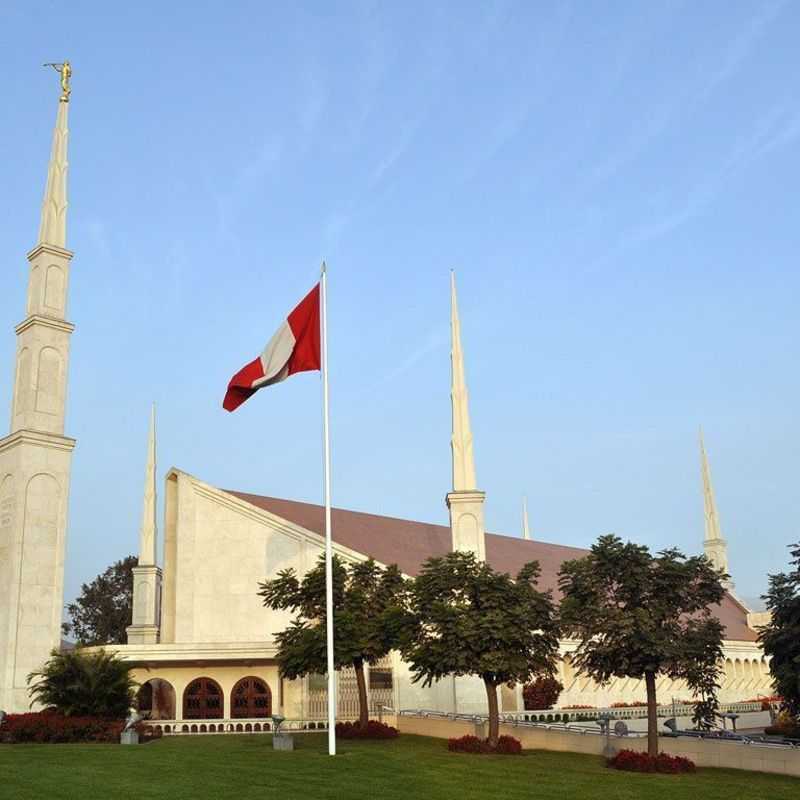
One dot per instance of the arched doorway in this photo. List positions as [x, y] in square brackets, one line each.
[203, 699]
[251, 697]
[156, 699]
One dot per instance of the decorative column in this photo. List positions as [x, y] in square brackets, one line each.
[715, 547]
[36, 457]
[147, 575]
[465, 501]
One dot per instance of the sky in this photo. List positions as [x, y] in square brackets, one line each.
[615, 185]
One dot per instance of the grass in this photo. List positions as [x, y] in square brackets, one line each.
[246, 768]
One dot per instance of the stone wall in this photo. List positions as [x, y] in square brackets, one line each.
[704, 752]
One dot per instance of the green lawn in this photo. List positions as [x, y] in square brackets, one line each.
[246, 768]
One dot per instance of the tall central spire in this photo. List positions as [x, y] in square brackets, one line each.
[465, 501]
[461, 442]
[715, 547]
[148, 534]
[53, 224]
[147, 576]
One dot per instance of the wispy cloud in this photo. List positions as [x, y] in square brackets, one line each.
[777, 128]
[313, 103]
[513, 117]
[436, 339]
[740, 48]
[98, 236]
[672, 109]
[250, 176]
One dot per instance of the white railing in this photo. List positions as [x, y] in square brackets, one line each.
[505, 719]
[180, 727]
[623, 712]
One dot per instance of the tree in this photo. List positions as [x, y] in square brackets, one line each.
[84, 684]
[363, 593]
[640, 616]
[781, 637]
[104, 608]
[466, 619]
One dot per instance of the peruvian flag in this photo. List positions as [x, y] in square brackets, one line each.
[295, 347]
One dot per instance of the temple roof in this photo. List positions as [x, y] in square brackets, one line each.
[408, 544]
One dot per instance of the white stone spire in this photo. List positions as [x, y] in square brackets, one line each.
[53, 224]
[465, 501]
[715, 547]
[145, 626]
[526, 529]
[149, 530]
[36, 457]
[461, 442]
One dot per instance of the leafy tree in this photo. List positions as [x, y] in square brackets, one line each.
[637, 615]
[84, 684]
[466, 619]
[104, 608]
[363, 593]
[781, 637]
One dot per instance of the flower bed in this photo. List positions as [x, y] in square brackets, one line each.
[373, 730]
[633, 761]
[47, 727]
[787, 729]
[506, 746]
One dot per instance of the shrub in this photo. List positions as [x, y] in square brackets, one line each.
[785, 725]
[635, 704]
[506, 745]
[633, 761]
[78, 684]
[541, 694]
[468, 744]
[372, 730]
[53, 728]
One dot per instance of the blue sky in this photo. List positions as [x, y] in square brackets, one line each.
[615, 185]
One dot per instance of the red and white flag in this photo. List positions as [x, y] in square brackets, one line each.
[295, 347]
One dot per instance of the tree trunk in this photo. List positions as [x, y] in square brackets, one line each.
[494, 715]
[363, 702]
[652, 718]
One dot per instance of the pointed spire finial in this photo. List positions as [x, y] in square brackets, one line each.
[712, 527]
[526, 529]
[53, 224]
[461, 442]
[149, 531]
[715, 547]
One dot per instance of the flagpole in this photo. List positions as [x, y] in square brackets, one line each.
[328, 549]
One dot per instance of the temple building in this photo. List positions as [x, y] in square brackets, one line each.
[200, 641]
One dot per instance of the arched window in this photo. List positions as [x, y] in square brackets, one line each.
[203, 699]
[156, 699]
[251, 697]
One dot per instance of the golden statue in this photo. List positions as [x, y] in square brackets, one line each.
[65, 70]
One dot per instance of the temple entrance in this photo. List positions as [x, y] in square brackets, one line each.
[251, 697]
[203, 699]
[156, 699]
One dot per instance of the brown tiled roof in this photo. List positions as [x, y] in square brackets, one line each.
[408, 544]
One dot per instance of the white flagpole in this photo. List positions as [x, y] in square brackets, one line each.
[323, 285]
